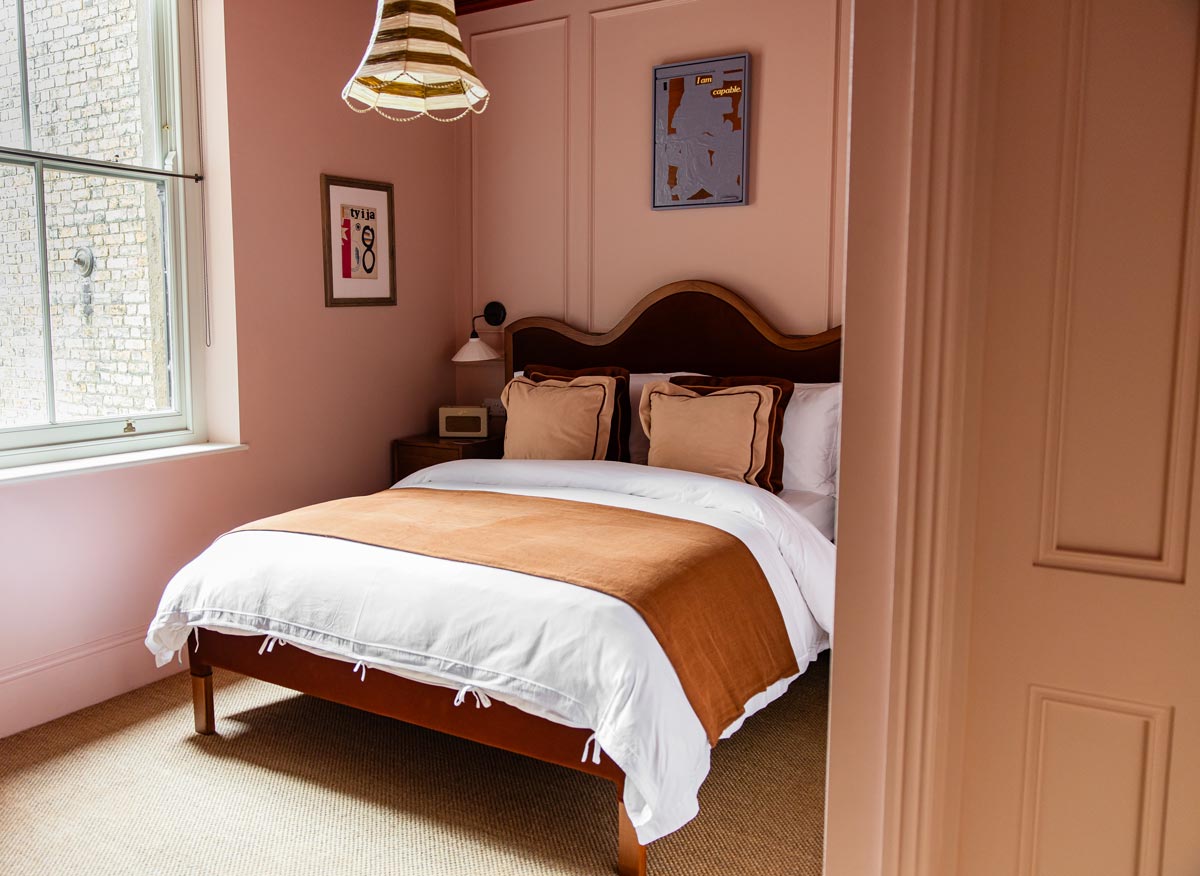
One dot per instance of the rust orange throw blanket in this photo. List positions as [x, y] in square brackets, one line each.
[699, 589]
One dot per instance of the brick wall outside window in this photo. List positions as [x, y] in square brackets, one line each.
[91, 91]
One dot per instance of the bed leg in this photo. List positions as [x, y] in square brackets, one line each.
[631, 855]
[202, 699]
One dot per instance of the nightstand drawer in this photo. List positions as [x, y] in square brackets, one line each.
[411, 459]
[421, 451]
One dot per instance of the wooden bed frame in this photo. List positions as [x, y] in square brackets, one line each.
[686, 326]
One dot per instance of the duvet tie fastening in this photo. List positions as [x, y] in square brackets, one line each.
[481, 699]
[269, 644]
[595, 744]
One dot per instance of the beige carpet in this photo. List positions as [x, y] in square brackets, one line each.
[298, 786]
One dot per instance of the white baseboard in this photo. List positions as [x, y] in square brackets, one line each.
[78, 652]
[49, 687]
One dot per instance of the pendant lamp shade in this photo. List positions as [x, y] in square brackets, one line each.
[415, 65]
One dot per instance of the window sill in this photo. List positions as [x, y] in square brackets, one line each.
[111, 461]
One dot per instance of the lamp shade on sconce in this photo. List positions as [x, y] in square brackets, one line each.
[475, 350]
[415, 65]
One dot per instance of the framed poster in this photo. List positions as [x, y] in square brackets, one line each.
[360, 242]
[701, 116]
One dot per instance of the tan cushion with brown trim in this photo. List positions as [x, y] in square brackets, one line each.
[726, 433]
[558, 419]
[618, 439]
[771, 477]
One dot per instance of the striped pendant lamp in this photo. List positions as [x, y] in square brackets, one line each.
[416, 66]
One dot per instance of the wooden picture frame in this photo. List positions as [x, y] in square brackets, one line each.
[364, 274]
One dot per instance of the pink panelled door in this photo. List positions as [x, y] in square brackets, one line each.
[1082, 752]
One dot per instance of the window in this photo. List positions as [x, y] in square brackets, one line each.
[94, 193]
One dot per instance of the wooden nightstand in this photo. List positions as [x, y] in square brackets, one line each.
[421, 451]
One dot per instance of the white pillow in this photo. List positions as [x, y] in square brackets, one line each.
[639, 442]
[811, 434]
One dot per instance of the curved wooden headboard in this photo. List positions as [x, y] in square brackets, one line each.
[691, 325]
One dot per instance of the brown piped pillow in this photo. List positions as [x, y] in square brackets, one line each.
[558, 419]
[618, 439]
[771, 477]
[721, 432]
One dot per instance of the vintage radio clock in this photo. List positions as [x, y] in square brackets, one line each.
[463, 422]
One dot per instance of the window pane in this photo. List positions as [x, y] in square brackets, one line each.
[91, 82]
[109, 326]
[22, 365]
[12, 129]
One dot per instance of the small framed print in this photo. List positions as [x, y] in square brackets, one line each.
[360, 242]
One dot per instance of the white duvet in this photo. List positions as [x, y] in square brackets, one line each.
[573, 655]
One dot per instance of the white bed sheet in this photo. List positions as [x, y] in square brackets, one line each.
[566, 653]
[817, 508]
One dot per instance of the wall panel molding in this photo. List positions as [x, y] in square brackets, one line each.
[596, 19]
[563, 26]
[1120, 812]
[838, 168]
[607, 245]
[1168, 562]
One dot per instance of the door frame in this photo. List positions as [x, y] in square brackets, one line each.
[914, 323]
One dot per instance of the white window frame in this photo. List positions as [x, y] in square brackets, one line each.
[176, 93]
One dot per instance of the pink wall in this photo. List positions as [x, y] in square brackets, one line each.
[554, 179]
[550, 188]
[83, 558]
